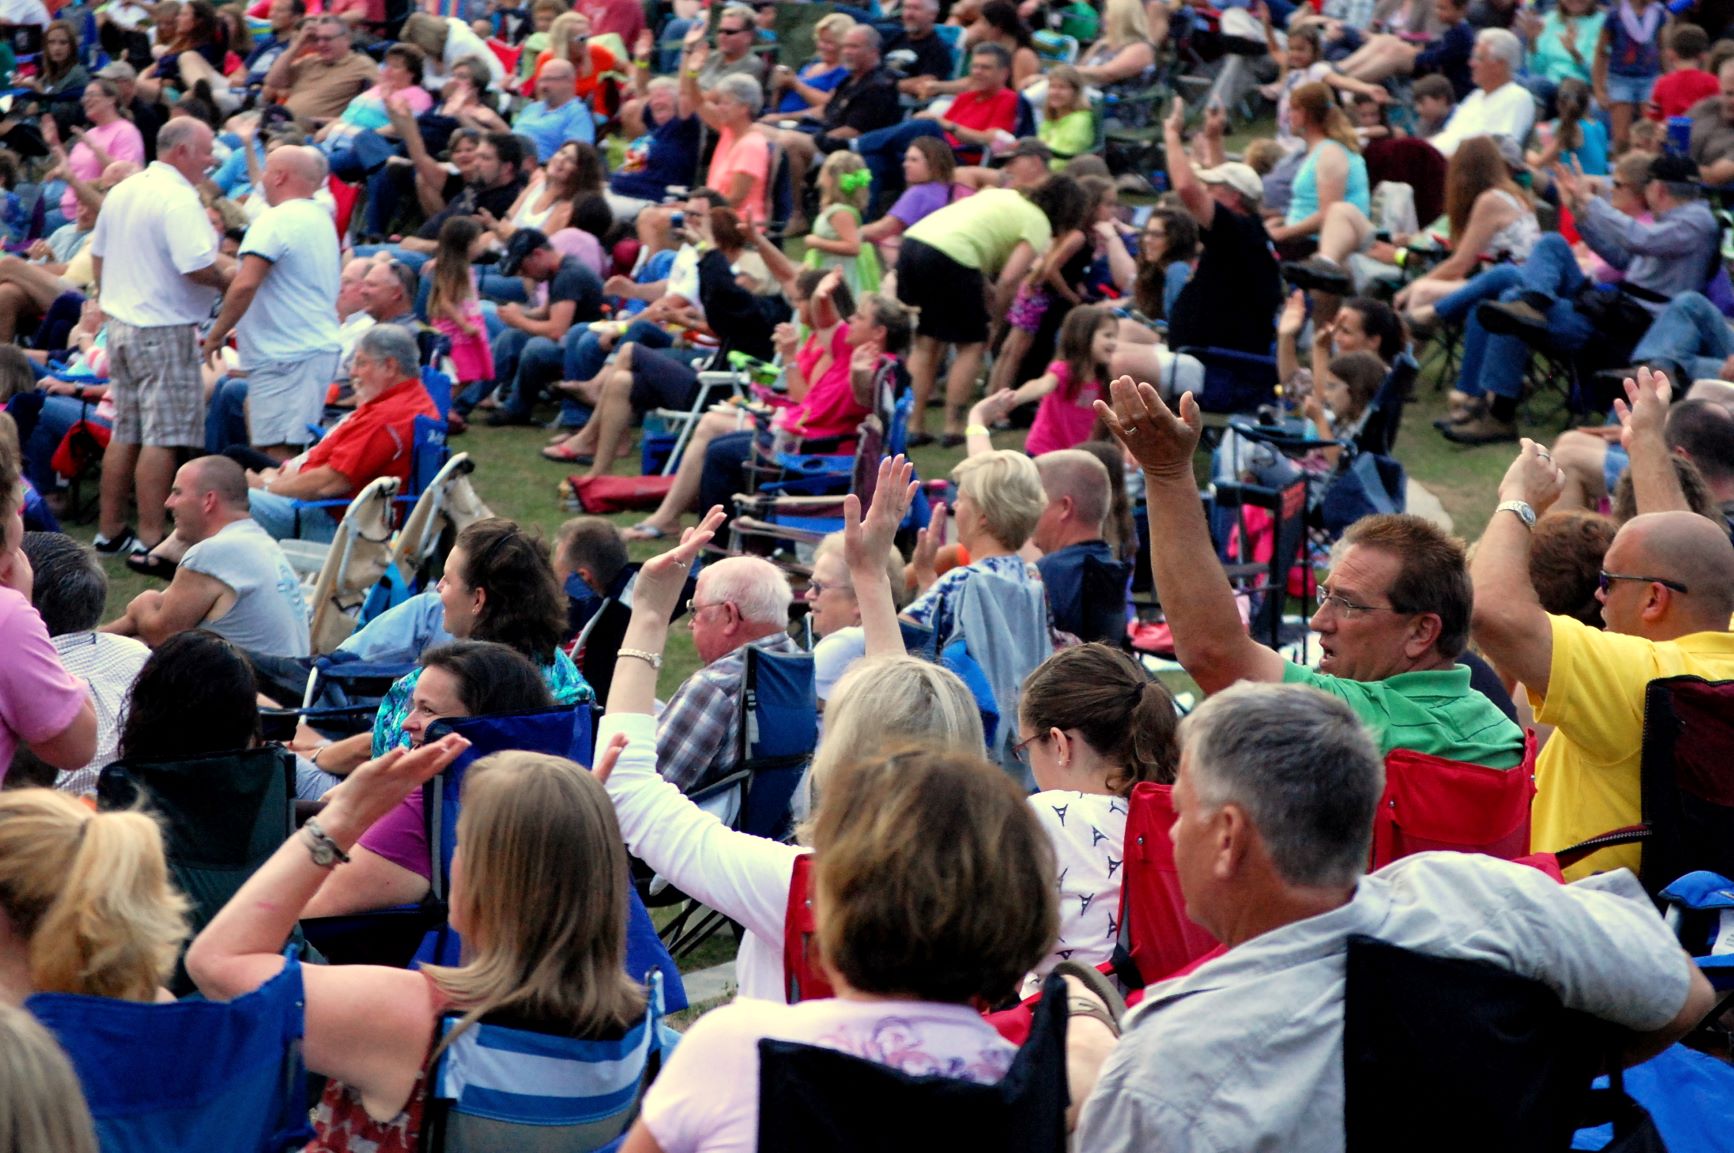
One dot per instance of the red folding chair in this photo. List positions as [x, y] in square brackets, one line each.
[1157, 939]
[1431, 803]
[803, 980]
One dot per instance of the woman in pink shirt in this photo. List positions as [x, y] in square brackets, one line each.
[110, 137]
[740, 168]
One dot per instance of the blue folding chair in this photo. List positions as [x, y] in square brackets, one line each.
[1234, 381]
[500, 1088]
[164, 1078]
[779, 727]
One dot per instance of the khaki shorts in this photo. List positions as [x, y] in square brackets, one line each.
[159, 398]
[285, 396]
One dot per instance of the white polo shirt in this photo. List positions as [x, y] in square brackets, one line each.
[151, 231]
[294, 313]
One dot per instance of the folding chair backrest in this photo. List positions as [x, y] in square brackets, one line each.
[429, 453]
[869, 450]
[918, 640]
[500, 1088]
[1284, 512]
[1103, 613]
[413, 549]
[1379, 432]
[804, 979]
[1432, 804]
[1482, 1057]
[1687, 779]
[1014, 615]
[811, 1097]
[358, 555]
[1156, 935]
[223, 815]
[194, 1074]
[1234, 381]
[779, 731]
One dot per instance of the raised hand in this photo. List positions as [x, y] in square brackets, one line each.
[609, 757]
[1161, 442]
[662, 578]
[1294, 314]
[378, 785]
[1175, 124]
[1645, 409]
[926, 558]
[1533, 478]
[867, 541]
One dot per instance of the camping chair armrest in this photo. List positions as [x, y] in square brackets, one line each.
[747, 526]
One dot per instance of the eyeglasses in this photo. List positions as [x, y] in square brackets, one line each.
[693, 608]
[1605, 581]
[731, 31]
[1348, 607]
[819, 587]
[1021, 749]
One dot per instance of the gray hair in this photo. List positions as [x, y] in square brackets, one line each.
[71, 586]
[1300, 765]
[181, 130]
[755, 586]
[740, 12]
[870, 34]
[659, 83]
[1502, 46]
[744, 89]
[391, 342]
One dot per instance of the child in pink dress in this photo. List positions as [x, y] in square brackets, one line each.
[453, 308]
[1071, 385]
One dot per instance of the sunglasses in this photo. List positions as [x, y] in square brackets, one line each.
[1605, 581]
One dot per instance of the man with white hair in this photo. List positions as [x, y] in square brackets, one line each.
[1274, 807]
[737, 603]
[1069, 533]
[283, 305]
[1499, 106]
[168, 274]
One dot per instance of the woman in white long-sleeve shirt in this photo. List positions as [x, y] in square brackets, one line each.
[877, 704]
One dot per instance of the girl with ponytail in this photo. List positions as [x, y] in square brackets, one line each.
[1332, 198]
[86, 899]
[1091, 725]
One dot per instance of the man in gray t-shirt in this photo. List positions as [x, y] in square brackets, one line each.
[234, 580]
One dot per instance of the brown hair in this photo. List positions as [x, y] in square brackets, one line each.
[1475, 167]
[1565, 561]
[525, 608]
[1119, 711]
[1693, 487]
[1320, 104]
[543, 899]
[1434, 577]
[932, 878]
[941, 161]
[1363, 372]
[11, 468]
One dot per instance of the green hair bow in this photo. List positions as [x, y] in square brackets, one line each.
[855, 181]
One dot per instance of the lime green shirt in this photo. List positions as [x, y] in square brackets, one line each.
[1433, 712]
[981, 231]
[1071, 135]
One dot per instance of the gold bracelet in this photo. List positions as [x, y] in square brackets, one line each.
[654, 660]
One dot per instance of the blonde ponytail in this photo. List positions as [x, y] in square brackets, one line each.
[90, 893]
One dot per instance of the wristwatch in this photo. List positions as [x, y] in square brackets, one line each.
[321, 847]
[1524, 513]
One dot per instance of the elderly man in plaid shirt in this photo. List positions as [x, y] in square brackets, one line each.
[737, 602]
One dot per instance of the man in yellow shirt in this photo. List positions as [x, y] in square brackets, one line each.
[1667, 592]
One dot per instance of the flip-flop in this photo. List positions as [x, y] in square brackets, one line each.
[1112, 1005]
[145, 564]
[564, 455]
[644, 531]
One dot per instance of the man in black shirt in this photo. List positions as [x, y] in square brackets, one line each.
[867, 99]
[530, 353]
[1232, 298]
[933, 57]
[494, 188]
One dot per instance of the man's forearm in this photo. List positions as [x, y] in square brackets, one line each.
[235, 304]
[313, 484]
[1509, 625]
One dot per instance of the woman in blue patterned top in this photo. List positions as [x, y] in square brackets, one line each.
[999, 501]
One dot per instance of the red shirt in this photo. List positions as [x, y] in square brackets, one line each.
[376, 439]
[983, 112]
[1674, 93]
[624, 18]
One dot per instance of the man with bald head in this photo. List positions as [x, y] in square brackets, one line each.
[1667, 592]
[282, 305]
[1069, 533]
[558, 115]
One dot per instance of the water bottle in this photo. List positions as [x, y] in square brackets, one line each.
[1679, 134]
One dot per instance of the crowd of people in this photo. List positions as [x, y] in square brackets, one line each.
[286, 236]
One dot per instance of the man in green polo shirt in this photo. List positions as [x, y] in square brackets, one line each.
[1393, 613]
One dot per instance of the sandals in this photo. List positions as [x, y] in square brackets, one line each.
[565, 454]
[644, 530]
[1105, 1003]
[146, 564]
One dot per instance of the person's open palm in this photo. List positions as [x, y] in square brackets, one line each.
[1645, 408]
[373, 789]
[867, 540]
[1160, 441]
[926, 556]
[662, 578]
[1176, 121]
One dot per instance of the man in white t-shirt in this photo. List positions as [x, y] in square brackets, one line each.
[1499, 106]
[32, 12]
[234, 580]
[283, 305]
[163, 284]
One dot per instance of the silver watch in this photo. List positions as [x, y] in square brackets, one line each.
[1524, 512]
[321, 847]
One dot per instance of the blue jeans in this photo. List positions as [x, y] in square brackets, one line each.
[1691, 334]
[226, 415]
[883, 150]
[1496, 364]
[276, 514]
[59, 414]
[503, 288]
[536, 363]
[387, 187]
[725, 460]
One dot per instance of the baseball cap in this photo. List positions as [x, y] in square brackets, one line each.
[1237, 176]
[1672, 168]
[1030, 146]
[523, 242]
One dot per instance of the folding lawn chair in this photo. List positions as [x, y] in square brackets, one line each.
[496, 1088]
[346, 570]
[447, 504]
[1156, 937]
[189, 1075]
[1432, 804]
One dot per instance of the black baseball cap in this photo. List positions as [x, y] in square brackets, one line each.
[523, 242]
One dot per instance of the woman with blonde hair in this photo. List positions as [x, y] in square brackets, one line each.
[1124, 59]
[87, 903]
[539, 889]
[41, 1102]
[1332, 197]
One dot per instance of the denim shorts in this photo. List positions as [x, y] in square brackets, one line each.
[1629, 89]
